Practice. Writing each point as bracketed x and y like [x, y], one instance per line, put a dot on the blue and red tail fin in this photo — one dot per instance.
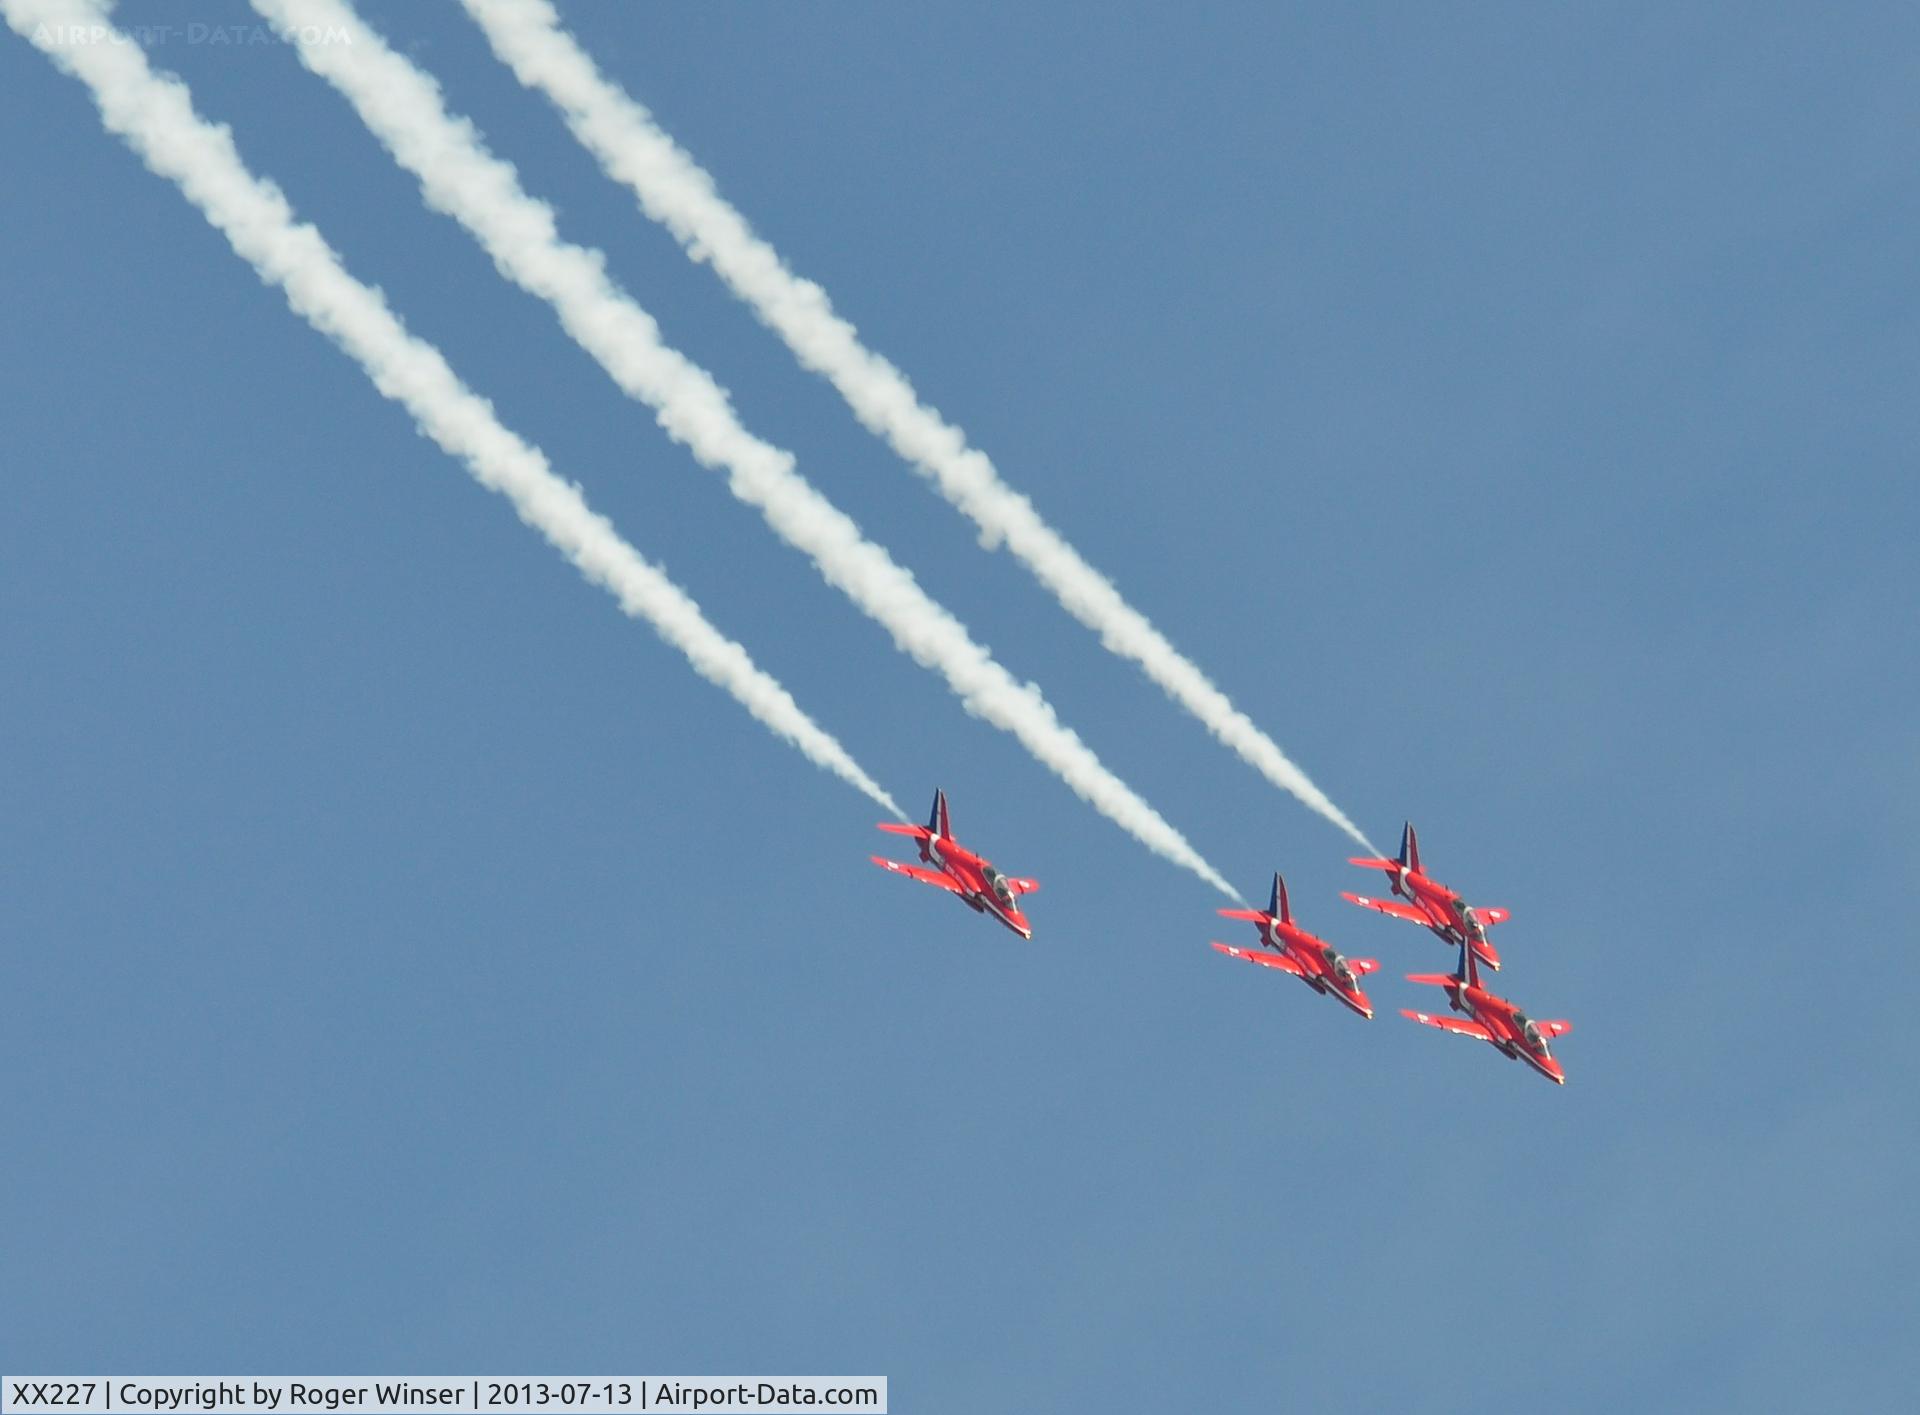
[1277, 905]
[937, 822]
[1409, 848]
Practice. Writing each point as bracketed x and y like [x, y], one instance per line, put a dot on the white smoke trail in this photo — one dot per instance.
[402, 107]
[154, 114]
[675, 191]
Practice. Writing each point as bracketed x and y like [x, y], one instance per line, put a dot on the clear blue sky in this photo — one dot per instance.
[410, 966]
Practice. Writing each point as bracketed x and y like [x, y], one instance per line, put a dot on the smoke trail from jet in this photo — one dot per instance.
[402, 107]
[154, 115]
[675, 191]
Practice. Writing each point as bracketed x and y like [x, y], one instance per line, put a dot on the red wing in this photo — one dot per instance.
[1450, 1024]
[1555, 1027]
[1023, 886]
[924, 876]
[1389, 906]
[1364, 966]
[1271, 960]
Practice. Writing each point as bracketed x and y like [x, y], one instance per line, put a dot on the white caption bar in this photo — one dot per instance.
[438, 1395]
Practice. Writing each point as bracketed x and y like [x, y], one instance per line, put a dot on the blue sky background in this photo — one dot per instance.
[410, 966]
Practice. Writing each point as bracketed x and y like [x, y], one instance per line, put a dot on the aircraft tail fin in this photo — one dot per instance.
[1410, 848]
[1277, 905]
[938, 822]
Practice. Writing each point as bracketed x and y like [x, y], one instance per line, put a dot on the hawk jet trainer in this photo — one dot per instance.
[1291, 949]
[1492, 1019]
[959, 871]
[1430, 903]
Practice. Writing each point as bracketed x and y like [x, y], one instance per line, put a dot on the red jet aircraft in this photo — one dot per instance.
[1429, 902]
[1316, 963]
[979, 884]
[1492, 1019]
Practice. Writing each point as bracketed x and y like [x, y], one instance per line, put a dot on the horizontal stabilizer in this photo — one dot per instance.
[918, 832]
[1372, 864]
[1252, 916]
[1438, 980]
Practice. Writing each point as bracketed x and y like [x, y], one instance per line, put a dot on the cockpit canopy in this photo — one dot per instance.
[997, 882]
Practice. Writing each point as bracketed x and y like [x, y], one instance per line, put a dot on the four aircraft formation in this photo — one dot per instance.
[1284, 945]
